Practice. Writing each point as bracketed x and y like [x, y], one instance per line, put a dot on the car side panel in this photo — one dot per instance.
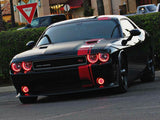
[138, 56]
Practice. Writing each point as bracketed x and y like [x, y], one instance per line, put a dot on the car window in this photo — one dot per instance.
[152, 8]
[142, 10]
[35, 23]
[43, 41]
[45, 21]
[58, 18]
[126, 27]
[84, 31]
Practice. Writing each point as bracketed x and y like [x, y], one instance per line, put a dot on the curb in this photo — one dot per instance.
[7, 89]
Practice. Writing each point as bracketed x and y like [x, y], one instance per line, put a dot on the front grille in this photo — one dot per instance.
[67, 62]
[55, 82]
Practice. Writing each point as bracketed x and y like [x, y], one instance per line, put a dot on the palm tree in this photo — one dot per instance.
[1, 20]
[100, 7]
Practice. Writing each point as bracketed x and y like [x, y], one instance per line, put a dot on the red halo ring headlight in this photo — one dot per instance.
[92, 58]
[27, 66]
[16, 67]
[103, 57]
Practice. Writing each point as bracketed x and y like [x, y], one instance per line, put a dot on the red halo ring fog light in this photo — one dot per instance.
[100, 81]
[25, 89]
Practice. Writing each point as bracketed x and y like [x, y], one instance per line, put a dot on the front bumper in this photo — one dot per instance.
[64, 81]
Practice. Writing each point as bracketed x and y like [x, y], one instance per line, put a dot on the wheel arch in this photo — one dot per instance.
[122, 54]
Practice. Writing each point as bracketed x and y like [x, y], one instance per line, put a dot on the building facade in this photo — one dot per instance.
[6, 11]
[41, 10]
[47, 7]
[121, 6]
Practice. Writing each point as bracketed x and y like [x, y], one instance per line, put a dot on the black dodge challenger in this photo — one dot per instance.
[83, 54]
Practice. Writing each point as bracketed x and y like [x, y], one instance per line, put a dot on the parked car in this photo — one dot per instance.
[144, 9]
[83, 54]
[158, 7]
[44, 21]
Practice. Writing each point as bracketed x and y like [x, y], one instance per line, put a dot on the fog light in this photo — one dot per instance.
[100, 81]
[25, 89]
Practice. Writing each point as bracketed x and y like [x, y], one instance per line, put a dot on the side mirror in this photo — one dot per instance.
[134, 32]
[30, 44]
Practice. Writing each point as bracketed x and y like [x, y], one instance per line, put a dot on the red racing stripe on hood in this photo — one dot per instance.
[85, 71]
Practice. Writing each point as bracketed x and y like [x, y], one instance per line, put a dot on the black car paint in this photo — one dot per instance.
[49, 81]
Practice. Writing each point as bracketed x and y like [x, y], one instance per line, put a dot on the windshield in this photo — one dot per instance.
[152, 8]
[83, 31]
[35, 23]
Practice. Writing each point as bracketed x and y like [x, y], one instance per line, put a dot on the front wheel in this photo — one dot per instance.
[28, 100]
[122, 70]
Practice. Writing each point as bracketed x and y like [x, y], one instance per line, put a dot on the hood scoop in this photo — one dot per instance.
[93, 41]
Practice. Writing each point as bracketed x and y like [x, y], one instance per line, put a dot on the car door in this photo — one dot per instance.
[134, 49]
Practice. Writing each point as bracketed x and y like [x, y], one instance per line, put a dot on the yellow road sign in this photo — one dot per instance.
[25, 1]
[2, 2]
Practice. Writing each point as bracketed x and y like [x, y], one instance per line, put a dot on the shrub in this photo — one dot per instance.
[8, 25]
[12, 43]
[151, 23]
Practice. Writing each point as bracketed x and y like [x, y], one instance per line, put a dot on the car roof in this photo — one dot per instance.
[50, 16]
[117, 17]
[114, 16]
[146, 5]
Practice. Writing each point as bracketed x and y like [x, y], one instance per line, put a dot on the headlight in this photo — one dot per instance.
[27, 66]
[92, 58]
[103, 57]
[16, 67]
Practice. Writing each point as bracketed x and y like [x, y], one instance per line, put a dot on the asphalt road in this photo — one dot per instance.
[141, 102]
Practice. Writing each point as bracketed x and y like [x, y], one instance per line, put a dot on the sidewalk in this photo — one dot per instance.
[7, 89]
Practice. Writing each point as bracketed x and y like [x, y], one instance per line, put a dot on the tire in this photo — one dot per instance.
[149, 73]
[28, 100]
[122, 72]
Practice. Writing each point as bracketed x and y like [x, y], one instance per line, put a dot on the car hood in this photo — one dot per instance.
[59, 50]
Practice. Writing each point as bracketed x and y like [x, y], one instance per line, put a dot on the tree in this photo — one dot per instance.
[1, 20]
[88, 11]
[12, 13]
[100, 7]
